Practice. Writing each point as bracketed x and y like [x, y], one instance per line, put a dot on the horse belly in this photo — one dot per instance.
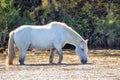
[42, 43]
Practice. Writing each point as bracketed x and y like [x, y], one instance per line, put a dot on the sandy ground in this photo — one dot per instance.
[102, 65]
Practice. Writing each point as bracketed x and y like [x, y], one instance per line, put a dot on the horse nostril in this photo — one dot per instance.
[83, 61]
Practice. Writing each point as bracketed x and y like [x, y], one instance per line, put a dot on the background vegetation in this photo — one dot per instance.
[97, 20]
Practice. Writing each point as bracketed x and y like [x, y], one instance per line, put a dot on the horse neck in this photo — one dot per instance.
[74, 38]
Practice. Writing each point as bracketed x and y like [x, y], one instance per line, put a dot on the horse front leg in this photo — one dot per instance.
[58, 47]
[60, 56]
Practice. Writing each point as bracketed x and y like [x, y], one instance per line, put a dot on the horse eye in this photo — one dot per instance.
[82, 49]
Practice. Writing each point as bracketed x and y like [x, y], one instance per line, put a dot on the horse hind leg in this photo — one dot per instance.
[22, 55]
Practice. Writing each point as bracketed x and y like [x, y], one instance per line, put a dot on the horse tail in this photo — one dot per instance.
[11, 53]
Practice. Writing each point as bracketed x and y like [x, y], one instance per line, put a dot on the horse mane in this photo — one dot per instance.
[59, 23]
[66, 27]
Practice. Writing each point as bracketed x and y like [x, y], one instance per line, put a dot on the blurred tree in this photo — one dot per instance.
[98, 20]
[10, 16]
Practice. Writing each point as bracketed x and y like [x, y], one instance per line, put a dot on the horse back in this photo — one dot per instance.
[40, 37]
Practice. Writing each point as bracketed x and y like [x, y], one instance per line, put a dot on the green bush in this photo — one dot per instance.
[10, 17]
[97, 20]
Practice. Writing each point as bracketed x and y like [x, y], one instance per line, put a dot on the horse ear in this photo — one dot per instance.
[86, 40]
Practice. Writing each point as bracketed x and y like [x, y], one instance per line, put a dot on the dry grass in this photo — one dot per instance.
[102, 65]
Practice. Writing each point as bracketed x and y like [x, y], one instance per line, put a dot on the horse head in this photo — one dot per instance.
[82, 51]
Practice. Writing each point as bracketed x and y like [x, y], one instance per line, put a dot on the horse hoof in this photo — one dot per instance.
[22, 64]
[83, 61]
[59, 63]
[50, 61]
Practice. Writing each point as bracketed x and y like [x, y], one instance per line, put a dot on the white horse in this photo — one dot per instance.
[52, 36]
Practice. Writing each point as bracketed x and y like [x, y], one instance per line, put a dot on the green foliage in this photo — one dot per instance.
[10, 17]
[97, 20]
[8, 13]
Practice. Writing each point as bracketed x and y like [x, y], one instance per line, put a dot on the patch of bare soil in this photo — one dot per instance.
[102, 65]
